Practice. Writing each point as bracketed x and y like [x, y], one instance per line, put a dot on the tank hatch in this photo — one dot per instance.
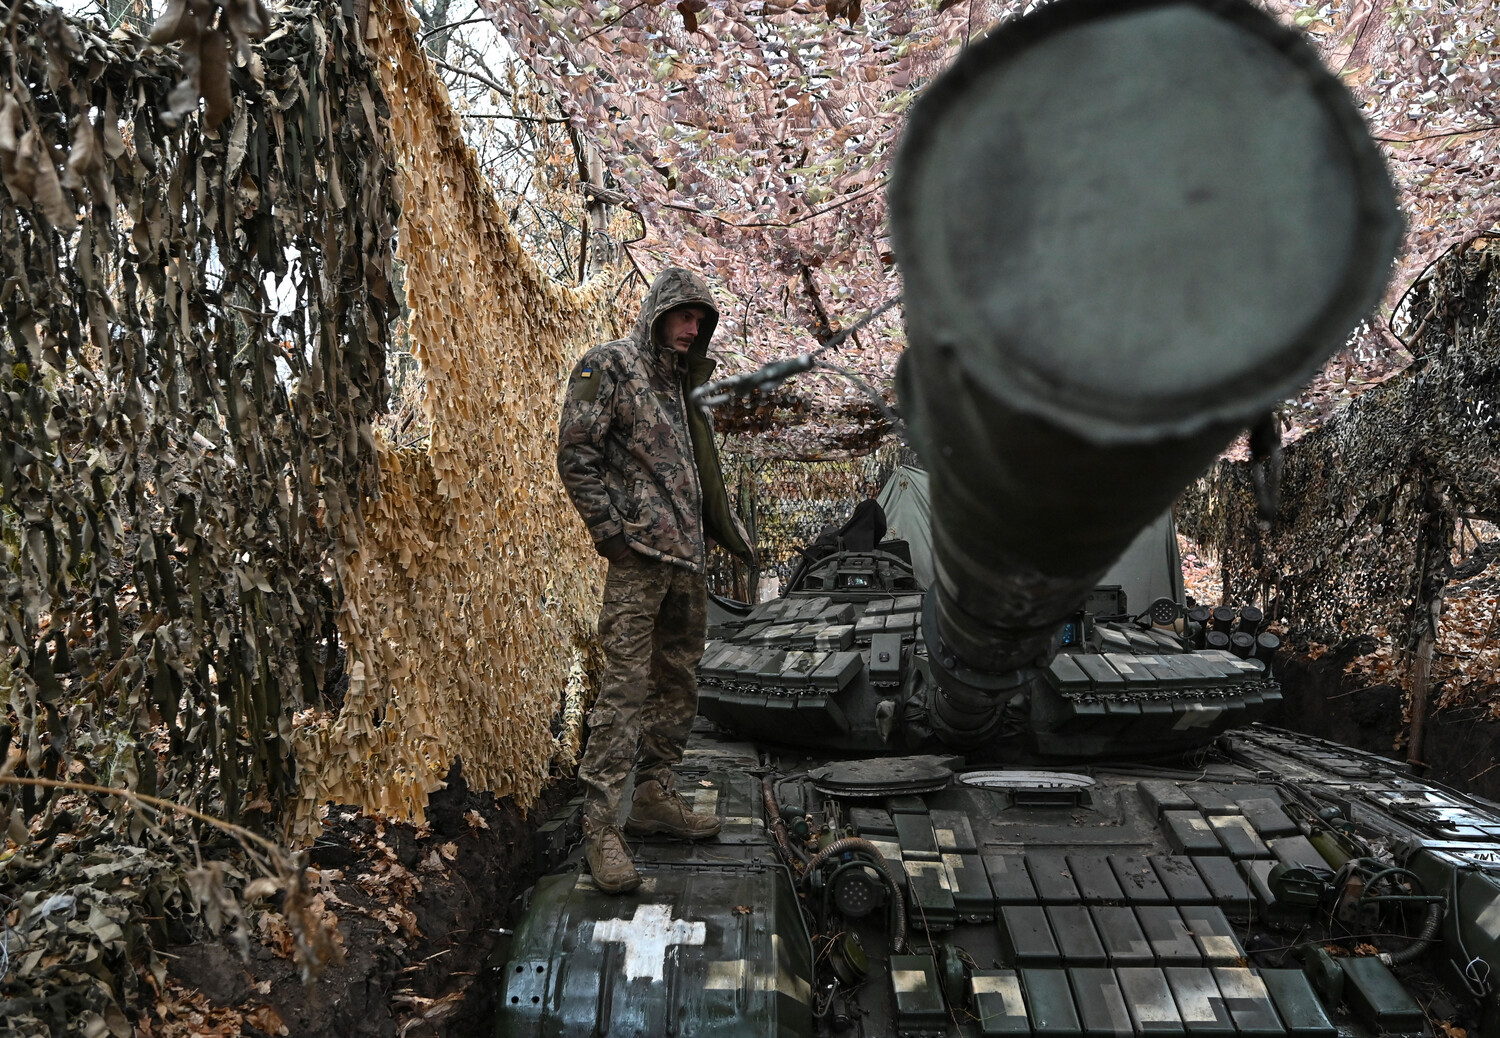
[884, 776]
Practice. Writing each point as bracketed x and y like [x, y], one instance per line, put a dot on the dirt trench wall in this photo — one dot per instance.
[1462, 747]
[419, 912]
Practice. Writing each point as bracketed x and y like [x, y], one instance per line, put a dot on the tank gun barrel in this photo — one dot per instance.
[1126, 231]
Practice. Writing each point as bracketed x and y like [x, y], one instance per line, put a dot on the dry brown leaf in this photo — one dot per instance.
[475, 820]
[266, 1019]
[261, 886]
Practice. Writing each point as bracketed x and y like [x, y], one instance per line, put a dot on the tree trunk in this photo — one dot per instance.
[1433, 559]
[594, 251]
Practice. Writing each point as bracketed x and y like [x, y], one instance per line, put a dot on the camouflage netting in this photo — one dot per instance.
[475, 587]
[1363, 535]
[195, 328]
[194, 314]
[786, 504]
[197, 304]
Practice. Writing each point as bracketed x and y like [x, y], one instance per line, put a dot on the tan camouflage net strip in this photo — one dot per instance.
[475, 588]
[1370, 501]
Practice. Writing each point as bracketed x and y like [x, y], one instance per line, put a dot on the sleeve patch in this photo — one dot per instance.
[585, 383]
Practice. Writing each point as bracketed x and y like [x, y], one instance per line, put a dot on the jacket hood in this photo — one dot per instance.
[675, 286]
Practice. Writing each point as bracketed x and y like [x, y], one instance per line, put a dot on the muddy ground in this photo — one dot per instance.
[419, 912]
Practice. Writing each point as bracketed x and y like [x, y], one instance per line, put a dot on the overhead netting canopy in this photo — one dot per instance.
[1364, 533]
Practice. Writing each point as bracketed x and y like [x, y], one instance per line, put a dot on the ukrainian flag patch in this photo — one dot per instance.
[585, 385]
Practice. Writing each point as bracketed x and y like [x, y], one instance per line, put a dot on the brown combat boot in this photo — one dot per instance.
[657, 807]
[609, 861]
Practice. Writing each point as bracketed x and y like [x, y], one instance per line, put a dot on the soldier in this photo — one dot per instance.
[866, 527]
[639, 462]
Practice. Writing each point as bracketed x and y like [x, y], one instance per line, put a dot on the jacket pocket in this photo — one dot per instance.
[641, 490]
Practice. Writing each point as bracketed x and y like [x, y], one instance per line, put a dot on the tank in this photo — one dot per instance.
[1020, 797]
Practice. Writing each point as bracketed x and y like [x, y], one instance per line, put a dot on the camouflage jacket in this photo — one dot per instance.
[635, 456]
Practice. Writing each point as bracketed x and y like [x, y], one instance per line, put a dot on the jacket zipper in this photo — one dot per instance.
[700, 560]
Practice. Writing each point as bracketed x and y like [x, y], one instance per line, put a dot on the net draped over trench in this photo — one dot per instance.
[198, 304]
[1364, 531]
[475, 587]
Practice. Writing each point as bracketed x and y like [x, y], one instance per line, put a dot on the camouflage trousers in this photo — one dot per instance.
[652, 629]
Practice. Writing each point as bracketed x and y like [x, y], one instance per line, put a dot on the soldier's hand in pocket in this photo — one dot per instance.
[614, 548]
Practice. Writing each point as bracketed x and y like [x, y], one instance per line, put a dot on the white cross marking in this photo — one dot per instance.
[646, 938]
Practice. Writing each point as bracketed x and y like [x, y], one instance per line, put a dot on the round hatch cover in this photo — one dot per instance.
[884, 776]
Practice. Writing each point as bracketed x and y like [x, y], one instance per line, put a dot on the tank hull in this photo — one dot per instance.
[1118, 899]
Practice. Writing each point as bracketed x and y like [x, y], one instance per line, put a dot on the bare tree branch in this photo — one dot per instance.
[1439, 136]
[450, 26]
